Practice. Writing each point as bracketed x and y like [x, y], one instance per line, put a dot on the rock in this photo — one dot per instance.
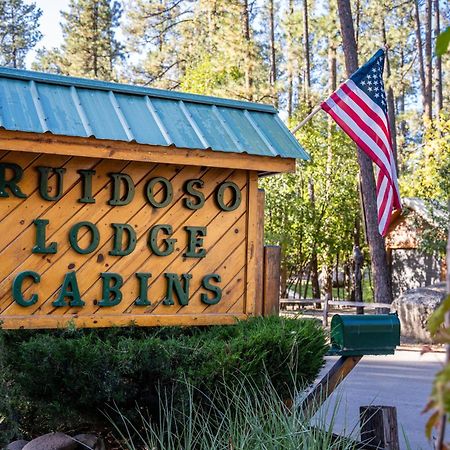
[16, 445]
[89, 441]
[52, 441]
[414, 307]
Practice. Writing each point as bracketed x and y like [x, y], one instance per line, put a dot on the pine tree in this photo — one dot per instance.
[90, 48]
[154, 33]
[19, 31]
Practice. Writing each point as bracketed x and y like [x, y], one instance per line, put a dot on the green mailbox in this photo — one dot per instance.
[364, 334]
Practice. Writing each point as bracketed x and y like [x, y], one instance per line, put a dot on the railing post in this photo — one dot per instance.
[379, 427]
[272, 263]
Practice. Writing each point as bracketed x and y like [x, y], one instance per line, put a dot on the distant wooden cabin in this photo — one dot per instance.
[411, 267]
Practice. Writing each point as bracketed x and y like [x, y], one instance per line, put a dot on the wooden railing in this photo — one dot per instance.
[360, 306]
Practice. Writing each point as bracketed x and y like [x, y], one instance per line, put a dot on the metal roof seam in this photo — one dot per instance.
[260, 133]
[38, 106]
[158, 121]
[123, 121]
[227, 129]
[193, 124]
[82, 115]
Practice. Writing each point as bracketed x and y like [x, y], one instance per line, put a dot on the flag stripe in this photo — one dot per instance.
[386, 208]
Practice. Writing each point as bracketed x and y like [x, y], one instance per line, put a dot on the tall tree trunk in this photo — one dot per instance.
[390, 100]
[358, 15]
[380, 270]
[248, 43]
[401, 99]
[428, 63]
[420, 53]
[438, 66]
[315, 286]
[307, 55]
[290, 62]
[314, 262]
[273, 61]
[332, 70]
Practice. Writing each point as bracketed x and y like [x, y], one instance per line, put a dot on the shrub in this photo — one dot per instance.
[62, 379]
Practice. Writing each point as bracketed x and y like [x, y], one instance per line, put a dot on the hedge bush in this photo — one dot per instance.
[63, 379]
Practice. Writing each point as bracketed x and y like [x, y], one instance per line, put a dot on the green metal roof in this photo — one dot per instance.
[46, 103]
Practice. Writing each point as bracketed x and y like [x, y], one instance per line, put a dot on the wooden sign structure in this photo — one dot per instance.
[105, 231]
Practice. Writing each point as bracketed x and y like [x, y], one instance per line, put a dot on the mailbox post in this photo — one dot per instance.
[353, 337]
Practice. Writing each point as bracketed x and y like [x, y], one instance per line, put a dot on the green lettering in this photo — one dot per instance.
[195, 242]
[118, 246]
[210, 287]
[41, 247]
[69, 289]
[143, 278]
[44, 190]
[168, 192]
[17, 288]
[111, 294]
[174, 286]
[189, 187]
[73, 237]
[118, 180]
[153, 240]
[86, 186]
[11, 184]
[236, 196]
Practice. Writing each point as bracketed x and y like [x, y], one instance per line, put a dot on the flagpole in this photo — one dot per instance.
[315, 110]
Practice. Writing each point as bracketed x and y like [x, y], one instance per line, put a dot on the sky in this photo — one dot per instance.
[50, 28]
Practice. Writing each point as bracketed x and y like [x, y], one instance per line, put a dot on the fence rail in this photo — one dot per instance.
[360, 306]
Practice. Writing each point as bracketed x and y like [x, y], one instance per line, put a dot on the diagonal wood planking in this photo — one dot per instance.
[229, 244]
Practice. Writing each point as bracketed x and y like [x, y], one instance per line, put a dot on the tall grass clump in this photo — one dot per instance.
[237, 416]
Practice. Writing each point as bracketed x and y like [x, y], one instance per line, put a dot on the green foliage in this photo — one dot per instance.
[19, 31]
[427, 176]
[61, 379]
[90, 48]
[442, 42]
[439, 402]
[428, 170]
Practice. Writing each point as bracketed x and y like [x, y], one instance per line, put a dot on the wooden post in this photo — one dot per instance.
[379, 427]
[260, 253]
[325, 311]
[272, 262]
[326, 386]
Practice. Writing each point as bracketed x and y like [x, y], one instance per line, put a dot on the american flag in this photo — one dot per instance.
[359, 107]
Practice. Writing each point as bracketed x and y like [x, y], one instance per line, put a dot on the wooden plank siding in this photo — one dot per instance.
[231, 243]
